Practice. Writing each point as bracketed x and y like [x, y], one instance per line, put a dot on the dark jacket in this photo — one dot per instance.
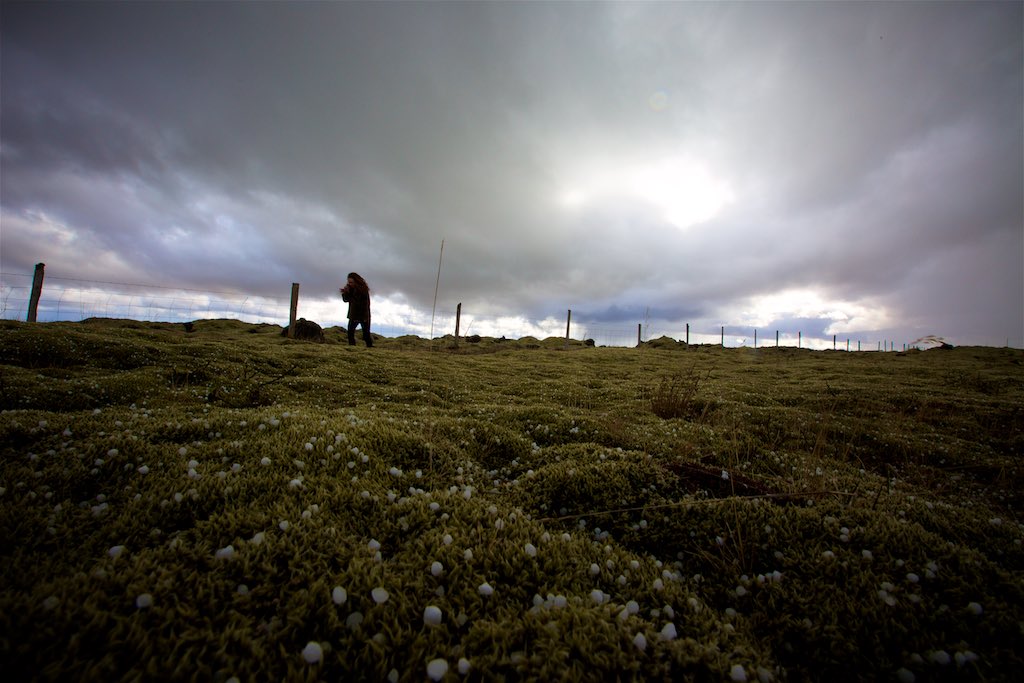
[358, 305]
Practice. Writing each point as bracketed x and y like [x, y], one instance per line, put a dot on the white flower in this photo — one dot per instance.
[904, 675]
[485, 589]
[436, 568]
[738, 673]
[115, 552]
[640, 642]
[339, 595]
[964, 657]
[530, 550]
[265, 461]
[939, 657]
[354, 619]
[51, 602]
[974, 608]
[312, 653]
[144, 600]
[597, 595]
[668, 631]
[437, 668]
[374, 544]
[225, 553]
[432, 615]
[380, 596]
[464, 666]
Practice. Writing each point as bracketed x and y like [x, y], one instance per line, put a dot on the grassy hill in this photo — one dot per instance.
[228, 504]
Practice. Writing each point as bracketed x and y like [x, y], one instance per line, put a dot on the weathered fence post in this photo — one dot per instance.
[568, 322]
[458, 319]
[723, 336]
[638, 328]
[37, 290]
[294, 310]
[833, 342]
[776, 339]
[799, 340]
[755, 337]
[687, 334]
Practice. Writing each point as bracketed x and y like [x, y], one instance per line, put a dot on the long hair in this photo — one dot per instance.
[360, 285]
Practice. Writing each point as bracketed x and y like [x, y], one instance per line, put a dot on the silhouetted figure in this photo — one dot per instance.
[357, 293]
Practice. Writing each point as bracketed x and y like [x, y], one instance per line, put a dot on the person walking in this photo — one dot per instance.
[357, 293]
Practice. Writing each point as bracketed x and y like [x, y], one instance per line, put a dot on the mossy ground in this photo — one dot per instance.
[807, 516]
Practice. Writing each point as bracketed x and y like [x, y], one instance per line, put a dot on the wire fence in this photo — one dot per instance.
[74, 300]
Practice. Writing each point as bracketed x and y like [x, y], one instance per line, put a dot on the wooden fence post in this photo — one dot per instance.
[37, 290]
[833, 342]
[723, 336]
[776, 339]
[458, 319]
[755, 337]
[294, 310]
[687, 334]
[799, 340]
[638, 327]
[568, 322]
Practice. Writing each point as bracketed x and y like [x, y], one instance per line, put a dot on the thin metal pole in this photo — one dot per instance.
[437, 284]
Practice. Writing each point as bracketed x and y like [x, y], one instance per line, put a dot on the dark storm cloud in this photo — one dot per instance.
[872, 151]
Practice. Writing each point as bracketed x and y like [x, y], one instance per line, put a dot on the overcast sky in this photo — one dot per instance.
[834, 168]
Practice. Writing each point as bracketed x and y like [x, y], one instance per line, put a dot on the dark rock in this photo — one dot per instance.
[306, 330]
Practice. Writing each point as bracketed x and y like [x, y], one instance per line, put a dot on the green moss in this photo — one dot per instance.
[870, 517]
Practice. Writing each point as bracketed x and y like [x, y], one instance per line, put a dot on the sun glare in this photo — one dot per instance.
[683, 191]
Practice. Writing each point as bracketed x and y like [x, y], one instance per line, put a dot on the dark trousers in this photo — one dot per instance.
[366, 332]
